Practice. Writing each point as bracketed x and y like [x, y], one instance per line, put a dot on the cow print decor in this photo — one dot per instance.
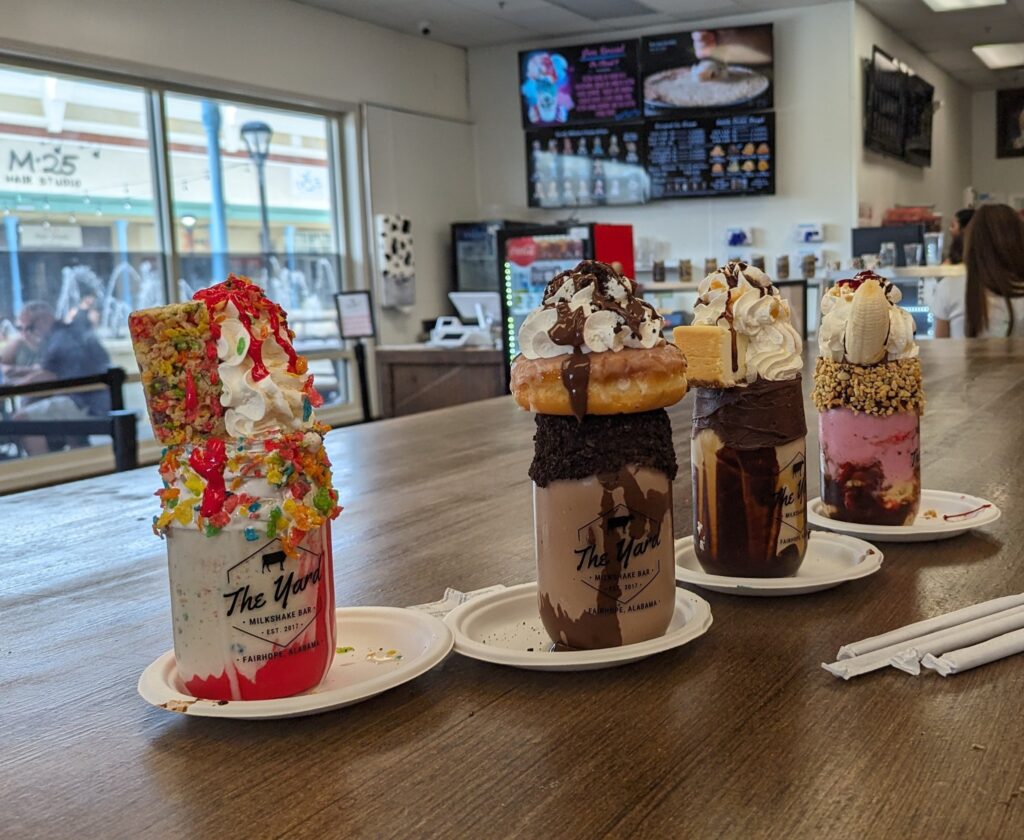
[395, 258]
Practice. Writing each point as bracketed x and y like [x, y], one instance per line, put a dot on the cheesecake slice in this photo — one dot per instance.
[713, 359]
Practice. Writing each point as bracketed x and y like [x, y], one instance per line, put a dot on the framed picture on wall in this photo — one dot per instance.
[1010, 123]
[355, 315]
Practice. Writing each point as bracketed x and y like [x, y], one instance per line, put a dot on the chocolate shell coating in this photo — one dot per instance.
[761, 415]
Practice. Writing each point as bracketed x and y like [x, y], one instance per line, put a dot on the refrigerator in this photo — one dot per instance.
[475, 254]
[531, 257]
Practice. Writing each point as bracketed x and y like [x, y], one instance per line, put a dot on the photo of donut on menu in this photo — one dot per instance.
[707, 70]
[586, 167]
[722, 155]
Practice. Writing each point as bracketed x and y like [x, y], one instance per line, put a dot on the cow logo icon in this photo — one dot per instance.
[617, 553]
[273, 597]
[274, 558]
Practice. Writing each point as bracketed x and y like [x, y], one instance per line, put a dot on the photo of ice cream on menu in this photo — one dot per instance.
[247, 497]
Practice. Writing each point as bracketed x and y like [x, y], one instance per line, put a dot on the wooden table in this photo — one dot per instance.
[739, 734]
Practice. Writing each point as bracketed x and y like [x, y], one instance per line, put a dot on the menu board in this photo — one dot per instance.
[883, 117]
[711, 156]
[581, 84]
[708, 70]
[586, 167]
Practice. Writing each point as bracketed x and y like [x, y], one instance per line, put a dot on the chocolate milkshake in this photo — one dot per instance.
[598, 373]
[867, 388]
[749, 480]
[748, 443]
[602, 505]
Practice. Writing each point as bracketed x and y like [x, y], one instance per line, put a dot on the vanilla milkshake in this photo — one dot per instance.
[251, 622]
[247, 496]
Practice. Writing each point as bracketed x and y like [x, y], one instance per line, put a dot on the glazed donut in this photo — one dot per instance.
[627, 381]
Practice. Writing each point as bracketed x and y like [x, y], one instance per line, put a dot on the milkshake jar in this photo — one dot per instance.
[251, 622]
[748, 455]
[870, 466]
[605, 557]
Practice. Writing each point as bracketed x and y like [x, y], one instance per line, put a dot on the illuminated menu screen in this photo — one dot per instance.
[586, 167]
[581, 84]
[711, 156]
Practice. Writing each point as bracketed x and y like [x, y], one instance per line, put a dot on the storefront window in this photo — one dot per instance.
[79, 243]
[252, 195]
[251, 192]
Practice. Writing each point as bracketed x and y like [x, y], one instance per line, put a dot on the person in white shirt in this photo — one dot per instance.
[989, 301]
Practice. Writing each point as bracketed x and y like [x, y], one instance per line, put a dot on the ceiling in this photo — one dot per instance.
[945, 38]
[481, 23]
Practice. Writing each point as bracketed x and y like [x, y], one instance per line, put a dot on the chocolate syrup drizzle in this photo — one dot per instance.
[602, 626]
[568, 329]
[733, 271]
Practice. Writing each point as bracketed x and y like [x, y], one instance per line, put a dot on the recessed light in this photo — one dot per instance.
[960, 5]
[999, 56]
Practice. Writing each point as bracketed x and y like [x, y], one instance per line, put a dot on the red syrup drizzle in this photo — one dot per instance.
[250, 302]
[191, 400]
[860, 278]
[949, 517]
[209, 464]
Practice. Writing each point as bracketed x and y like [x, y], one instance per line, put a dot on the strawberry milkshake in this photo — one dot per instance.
[867, 388]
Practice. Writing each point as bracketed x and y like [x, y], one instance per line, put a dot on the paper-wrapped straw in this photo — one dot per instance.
[981, 654]
[929, 625]
[907, 654]
[909, 659]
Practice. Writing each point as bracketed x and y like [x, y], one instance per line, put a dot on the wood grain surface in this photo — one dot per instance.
[739, 734]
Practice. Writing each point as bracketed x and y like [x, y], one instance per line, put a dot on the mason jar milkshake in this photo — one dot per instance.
[596, 370]
[748, 441]
[868, 391]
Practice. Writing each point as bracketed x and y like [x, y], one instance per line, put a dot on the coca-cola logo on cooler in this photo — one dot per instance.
[522, 251]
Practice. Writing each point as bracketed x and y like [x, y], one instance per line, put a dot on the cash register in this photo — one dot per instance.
[479, 312]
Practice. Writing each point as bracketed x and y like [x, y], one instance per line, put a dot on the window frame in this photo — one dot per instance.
[345, 159]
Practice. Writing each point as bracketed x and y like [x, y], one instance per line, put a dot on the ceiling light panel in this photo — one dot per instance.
[1000, 56]
[961, 5]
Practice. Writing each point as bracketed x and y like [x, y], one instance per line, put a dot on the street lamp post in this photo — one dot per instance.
[256, 136]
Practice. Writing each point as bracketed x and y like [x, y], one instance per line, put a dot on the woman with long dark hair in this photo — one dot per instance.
[989, 302]
[957, 227]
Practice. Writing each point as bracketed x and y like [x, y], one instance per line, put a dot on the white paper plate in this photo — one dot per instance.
[422, 641]
[831, 559]
[929, 524]
[505, 628]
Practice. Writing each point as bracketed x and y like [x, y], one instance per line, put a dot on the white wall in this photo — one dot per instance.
[1003, 178]
[814, 113]
[271, 46]
[418, 168]
[882, 181]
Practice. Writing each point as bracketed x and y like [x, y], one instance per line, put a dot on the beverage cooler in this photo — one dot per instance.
[475, 254]
[531, 257]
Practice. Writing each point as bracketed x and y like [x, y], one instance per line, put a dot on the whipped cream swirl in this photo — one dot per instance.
[742, 298]
[591, 309]
[836, 309]
[256, 406]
